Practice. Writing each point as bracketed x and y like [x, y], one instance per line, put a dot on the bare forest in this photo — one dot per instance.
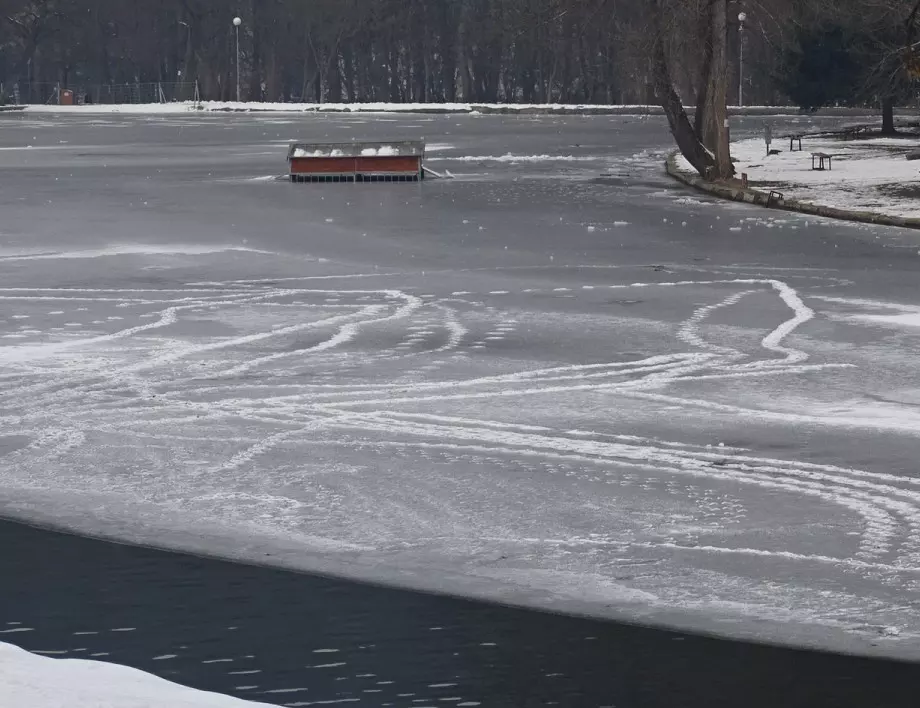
[534, 51]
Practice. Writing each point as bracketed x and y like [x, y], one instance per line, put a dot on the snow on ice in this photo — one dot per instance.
[244, 400]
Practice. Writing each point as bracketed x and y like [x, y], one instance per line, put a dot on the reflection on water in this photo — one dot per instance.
[298, 640]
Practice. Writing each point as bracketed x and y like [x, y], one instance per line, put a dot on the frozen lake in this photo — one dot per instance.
[285, 638]
[533, 383]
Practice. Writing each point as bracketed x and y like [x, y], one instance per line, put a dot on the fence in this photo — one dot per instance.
[44, 93]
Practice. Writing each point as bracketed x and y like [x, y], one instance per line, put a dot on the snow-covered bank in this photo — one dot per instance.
[867, 175]
[32, 681]
[485, 108]
[252, 107]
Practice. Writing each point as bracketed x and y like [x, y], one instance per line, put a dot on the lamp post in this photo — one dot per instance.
[236, 23]
[742, 17]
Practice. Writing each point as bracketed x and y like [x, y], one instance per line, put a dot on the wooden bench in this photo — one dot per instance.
[852, 132]
[819, 159]
[794, 138]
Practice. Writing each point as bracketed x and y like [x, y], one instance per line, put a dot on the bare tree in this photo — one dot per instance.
[704, 142]
[586, 51]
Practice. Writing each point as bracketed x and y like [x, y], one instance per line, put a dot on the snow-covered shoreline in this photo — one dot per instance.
[409, 108]
[870, 175]
[867, 176]
[32, 681]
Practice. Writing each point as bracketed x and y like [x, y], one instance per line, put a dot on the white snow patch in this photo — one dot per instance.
[187, 107]
[904, 320]
[32, 681]
[123, 250]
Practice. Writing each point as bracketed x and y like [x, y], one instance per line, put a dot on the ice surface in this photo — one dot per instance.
[31, 681]
[459, 386]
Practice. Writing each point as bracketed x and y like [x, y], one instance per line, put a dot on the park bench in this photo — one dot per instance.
[853, 132]
[794, 138]
[820, 159]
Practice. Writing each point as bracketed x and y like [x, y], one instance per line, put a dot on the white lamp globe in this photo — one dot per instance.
[742, 16]
[237, 21]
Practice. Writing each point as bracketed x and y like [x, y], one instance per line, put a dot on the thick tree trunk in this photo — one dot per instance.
[681, 128]
[888, 116]
[715, 114]
[705, 68]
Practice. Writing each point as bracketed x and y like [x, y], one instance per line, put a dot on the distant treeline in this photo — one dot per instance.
[534, 51]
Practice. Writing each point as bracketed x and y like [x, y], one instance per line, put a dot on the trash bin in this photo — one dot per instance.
[66, 97]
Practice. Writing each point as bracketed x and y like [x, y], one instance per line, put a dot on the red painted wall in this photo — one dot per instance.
[353, 165]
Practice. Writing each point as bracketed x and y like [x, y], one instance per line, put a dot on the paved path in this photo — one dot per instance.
[599, 395]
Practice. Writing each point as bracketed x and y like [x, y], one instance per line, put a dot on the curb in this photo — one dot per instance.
[763, 199]
[10, 109]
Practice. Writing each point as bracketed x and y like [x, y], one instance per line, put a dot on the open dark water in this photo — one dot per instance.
[299, 640]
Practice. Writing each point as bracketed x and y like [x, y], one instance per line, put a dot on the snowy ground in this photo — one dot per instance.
[599, 395]
[395, 108]
[401, 108]
[31, 681]
[868, 175]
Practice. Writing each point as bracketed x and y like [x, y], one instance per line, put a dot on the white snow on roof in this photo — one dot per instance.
[31, 681]
[300, 152]
[358, 149]
[382, 151]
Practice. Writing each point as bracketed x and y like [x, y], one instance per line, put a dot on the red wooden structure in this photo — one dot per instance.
[357, 162]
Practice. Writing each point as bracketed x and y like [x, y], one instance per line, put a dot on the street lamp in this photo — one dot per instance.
[742, 17]
[236, 23]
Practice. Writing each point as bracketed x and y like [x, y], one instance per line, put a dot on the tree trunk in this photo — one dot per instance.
[393, 56]
[257, 73]
[466, 80]
[715, 112]
[705, 69]
[683, 132]
[888, 116]
[334, 80]
[448, 46]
